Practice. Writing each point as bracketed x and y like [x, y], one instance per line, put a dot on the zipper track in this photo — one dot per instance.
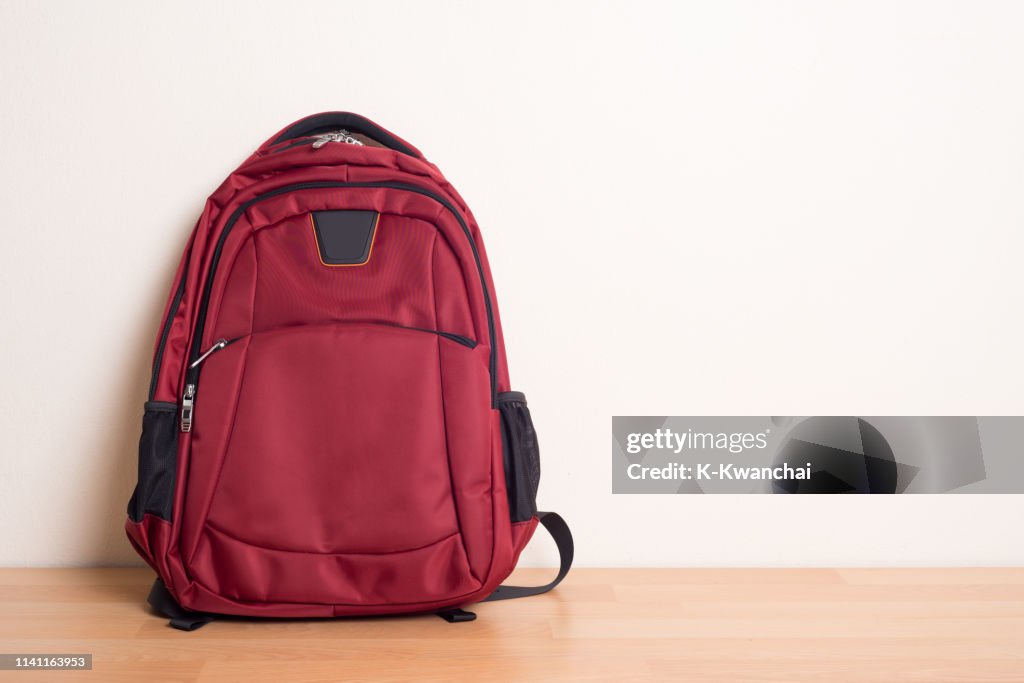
[158, 359]
[222, 344]
[192, 375]
[306, 140]
[295, 143]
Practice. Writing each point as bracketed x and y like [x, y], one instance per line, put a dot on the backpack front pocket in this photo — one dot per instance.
[332, 453]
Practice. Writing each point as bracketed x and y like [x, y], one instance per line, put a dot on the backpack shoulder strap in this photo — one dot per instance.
[559, 531]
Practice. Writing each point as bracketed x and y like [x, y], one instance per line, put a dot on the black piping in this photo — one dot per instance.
[290, 145]
[457, 338]
[171, 313]
[197, 340]
[323, 123]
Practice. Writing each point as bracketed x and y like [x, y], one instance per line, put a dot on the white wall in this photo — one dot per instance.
[710, 208]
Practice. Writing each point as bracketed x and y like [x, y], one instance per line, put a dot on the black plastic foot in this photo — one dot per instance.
[191, 623]
[453, 616]
[182, 619]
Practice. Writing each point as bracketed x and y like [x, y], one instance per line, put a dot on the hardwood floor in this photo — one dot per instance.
[928, 625]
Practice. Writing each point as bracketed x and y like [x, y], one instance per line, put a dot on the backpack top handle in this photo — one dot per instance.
[330, 121]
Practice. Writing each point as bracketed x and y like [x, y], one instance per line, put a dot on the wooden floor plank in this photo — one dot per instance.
[927, 625]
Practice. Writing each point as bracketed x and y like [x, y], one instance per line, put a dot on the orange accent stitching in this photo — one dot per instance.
[316, 240]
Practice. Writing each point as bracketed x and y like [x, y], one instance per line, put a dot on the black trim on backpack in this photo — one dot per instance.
[158, 359]
[158, 462]
[353, 123]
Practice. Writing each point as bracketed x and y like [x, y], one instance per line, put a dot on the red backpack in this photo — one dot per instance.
[330, 429]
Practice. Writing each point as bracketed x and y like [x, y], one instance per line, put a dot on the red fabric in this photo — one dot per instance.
[340, 462]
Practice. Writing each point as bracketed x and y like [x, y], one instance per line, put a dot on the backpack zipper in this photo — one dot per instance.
[457, 338]
[188, 398]
[158, 358]
[335, 136]
[220, 344]
[318, 141]
[187, 404]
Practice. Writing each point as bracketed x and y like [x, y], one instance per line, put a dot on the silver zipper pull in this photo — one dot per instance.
[217, 346]
[187, 401]
[335, 136]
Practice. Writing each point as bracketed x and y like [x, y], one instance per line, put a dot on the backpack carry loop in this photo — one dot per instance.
[354, 123]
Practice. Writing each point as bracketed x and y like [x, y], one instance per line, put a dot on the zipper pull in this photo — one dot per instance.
[187, 401]
[217, 346]
[335, 136]
[321, 140]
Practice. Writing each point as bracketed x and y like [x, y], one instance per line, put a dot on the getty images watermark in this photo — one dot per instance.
[820, 455]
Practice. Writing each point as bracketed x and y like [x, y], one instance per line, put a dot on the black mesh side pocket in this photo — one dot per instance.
[522, 455]
[158, 462]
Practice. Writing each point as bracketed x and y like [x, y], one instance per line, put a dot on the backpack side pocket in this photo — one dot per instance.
[521, 455]
[158, 462]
